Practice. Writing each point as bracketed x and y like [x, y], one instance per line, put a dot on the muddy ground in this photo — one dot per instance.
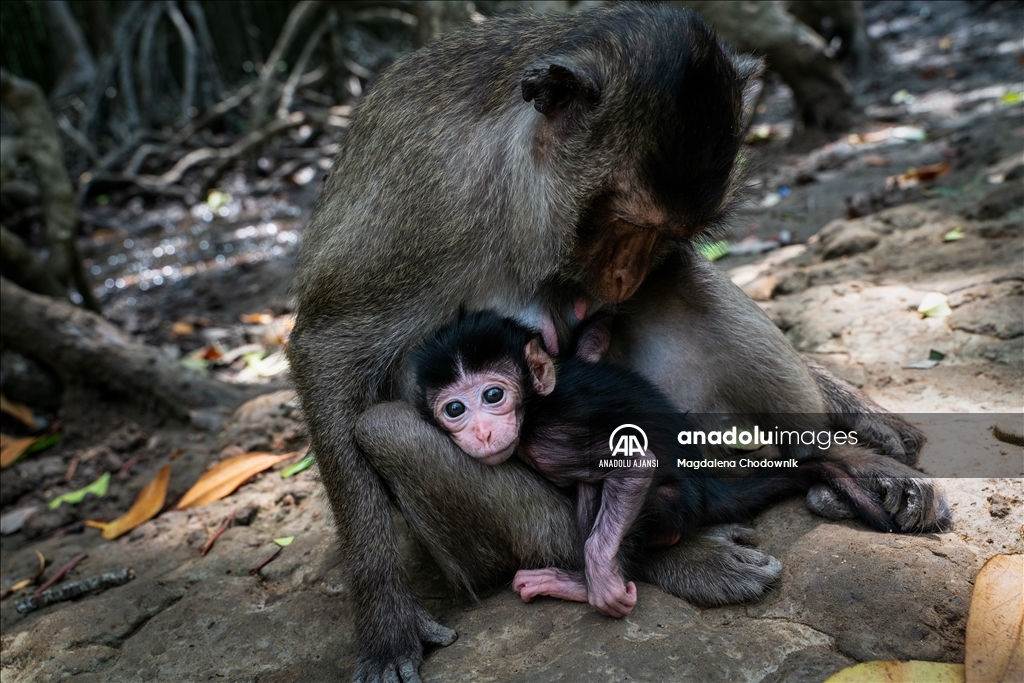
[862, 253]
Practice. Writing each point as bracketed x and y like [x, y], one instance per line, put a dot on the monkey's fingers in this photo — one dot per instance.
[432, 631]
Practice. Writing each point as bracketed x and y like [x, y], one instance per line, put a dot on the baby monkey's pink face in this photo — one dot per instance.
[481, 412]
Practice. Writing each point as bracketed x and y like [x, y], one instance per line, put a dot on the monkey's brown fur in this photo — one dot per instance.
[452, 189]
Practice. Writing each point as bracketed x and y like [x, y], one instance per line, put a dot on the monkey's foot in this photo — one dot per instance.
[402, 666]
[715, 568]
[555, 583]
[887, 494]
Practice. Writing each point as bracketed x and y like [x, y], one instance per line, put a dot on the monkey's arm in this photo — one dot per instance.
[622, 496]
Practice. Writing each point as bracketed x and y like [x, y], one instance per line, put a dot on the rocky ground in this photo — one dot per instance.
[864, 254]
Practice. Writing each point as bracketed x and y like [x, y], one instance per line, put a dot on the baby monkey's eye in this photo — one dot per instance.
[454, 409]
[493, 395]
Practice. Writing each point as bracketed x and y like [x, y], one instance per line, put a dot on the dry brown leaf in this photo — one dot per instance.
[210, 352]
[19, 411]
[146, 506]
[895, 671]
[14, 448]
[995, 622]
[257, 318]
[222, 480]
[182, 328]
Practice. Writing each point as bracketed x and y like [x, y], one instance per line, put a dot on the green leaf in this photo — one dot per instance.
[713, 251]
[1012, 98]
[953, 235]
[936, 355]
[284, 542]
[98, 488]
[300, 466]
[43, 443]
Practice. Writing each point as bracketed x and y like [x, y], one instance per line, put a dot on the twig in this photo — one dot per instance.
[225, 155]
[210, 61]
[61, 573]
[145, 57]
[189, 43]
[132, 169]
[217, 110]
[288, 92]
[217, 534]
[256, 570]
[302, 13]
[76, 137]
[73, 589]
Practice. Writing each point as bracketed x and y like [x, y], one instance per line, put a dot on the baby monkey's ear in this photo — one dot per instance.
[541, 367]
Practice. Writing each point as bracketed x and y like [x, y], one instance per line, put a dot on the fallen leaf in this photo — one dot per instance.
[935, 355]
[182, 328]
[895, 671]
[257, 318]
[934, 305]
[98, 488]
[222, 480]
[875, 160]
[25, 583]
[285, 541]
[146, 506]
[915, 176]
[14, 521]
[19, 411]
[995, 622]
[13, 449]
[300, 466]
[44, 442]
[953, 235]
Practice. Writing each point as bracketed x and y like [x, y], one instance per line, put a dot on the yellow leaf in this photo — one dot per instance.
[25, 583]
[182, 328]
[149, 502]
[895, 671]
[995, 622]
[14, 449]
[20, 412]
[223, 479]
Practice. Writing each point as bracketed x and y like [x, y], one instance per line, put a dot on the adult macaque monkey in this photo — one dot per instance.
[515, 164]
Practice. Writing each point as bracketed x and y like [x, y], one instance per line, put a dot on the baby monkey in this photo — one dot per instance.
[489, 382]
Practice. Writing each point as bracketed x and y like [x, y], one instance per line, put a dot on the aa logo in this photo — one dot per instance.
[629, 441]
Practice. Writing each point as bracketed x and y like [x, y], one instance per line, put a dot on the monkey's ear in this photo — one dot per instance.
[553, 88]
[749, 70]
[595, 339]
[542, 368]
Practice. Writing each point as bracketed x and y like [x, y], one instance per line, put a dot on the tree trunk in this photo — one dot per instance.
[40, 143]
[83, 347]
[798, 54]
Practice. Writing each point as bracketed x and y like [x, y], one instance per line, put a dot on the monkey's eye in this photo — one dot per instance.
[493, 395]
[454, 409]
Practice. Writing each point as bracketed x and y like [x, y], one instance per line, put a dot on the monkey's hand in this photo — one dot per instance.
[555, 583]
[375, 666]
[608, 593]
[611, 596]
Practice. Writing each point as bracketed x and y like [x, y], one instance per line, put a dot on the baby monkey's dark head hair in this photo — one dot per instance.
[474, 342]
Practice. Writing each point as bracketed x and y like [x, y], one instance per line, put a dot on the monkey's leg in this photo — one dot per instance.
[480, 523]
[714, 568]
